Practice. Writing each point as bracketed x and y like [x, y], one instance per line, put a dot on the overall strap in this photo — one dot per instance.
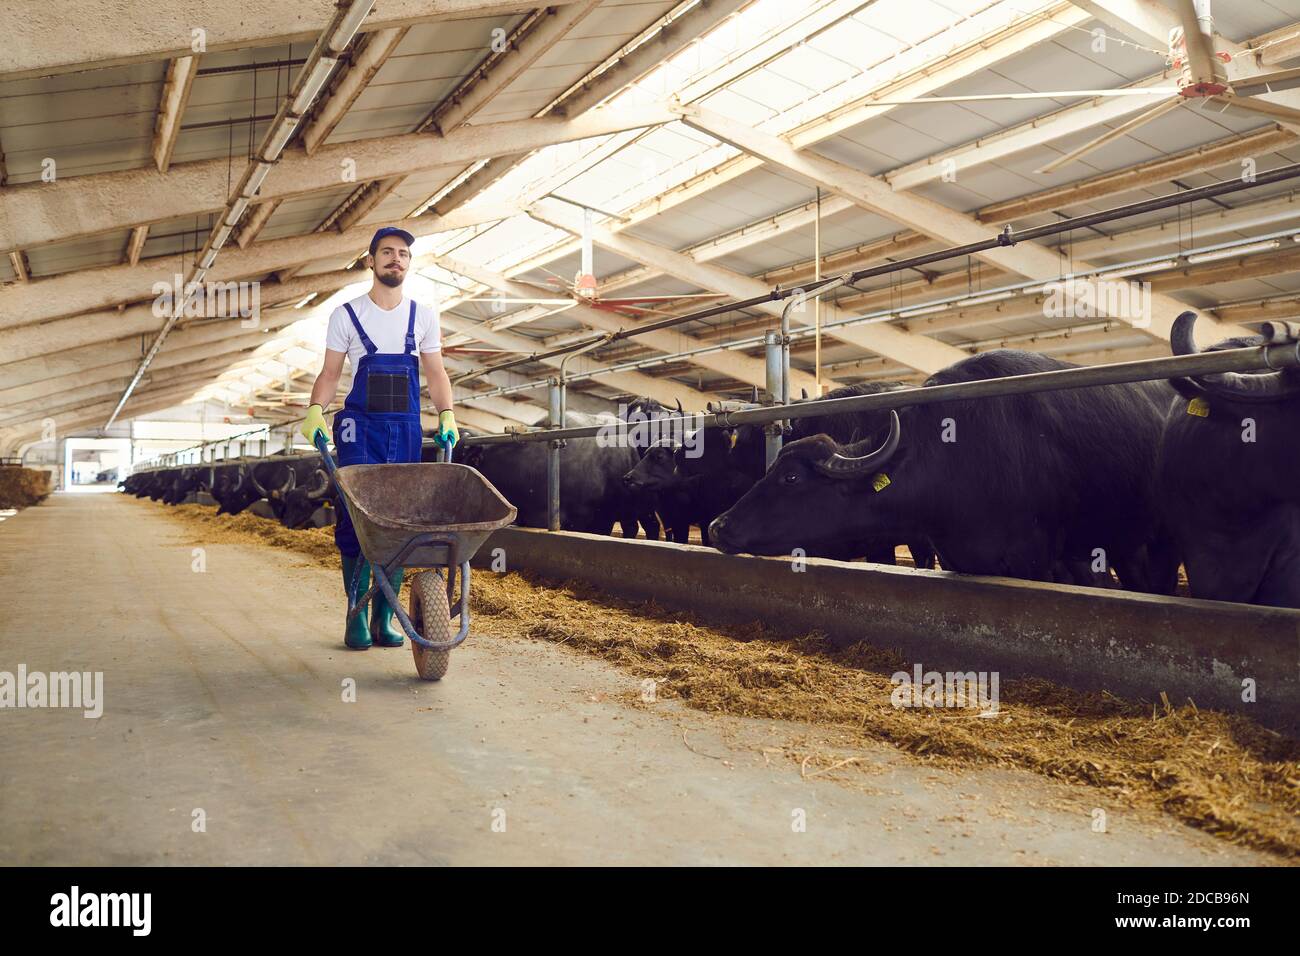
[410, 331]
[365, 339]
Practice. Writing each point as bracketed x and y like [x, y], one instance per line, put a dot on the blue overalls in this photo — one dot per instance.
[380, 420]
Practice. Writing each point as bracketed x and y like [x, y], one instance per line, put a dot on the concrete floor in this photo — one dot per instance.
[223, 692]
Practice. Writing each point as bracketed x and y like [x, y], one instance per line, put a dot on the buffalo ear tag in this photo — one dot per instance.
[1198, 407]
[880, 482]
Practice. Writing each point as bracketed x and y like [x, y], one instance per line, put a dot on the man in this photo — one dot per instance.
[380, 333]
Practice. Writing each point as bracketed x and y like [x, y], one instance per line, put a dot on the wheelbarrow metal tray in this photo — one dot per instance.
[394, 503]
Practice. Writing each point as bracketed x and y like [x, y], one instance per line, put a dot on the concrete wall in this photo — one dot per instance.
[1133, 645]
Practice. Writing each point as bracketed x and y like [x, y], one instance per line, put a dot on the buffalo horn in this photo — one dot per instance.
[1264, 387]
[321, 487]
[842, 466]
[252, 476]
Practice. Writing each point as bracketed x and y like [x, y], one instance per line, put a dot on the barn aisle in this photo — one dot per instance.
[223, 678]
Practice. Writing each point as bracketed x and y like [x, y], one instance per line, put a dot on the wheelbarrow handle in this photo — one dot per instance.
[323, 446]
[333, 469]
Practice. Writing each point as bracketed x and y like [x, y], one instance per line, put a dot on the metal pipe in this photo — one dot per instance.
[1255, 358]
[817, 305]
[772, 432]
[1158, 263]
[556, 396]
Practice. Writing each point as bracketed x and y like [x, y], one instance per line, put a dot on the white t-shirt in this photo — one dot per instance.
[386, 329]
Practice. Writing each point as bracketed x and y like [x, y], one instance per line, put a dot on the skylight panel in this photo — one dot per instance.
[810, 69]
[853, 41]
[771, 91]
[909, 20]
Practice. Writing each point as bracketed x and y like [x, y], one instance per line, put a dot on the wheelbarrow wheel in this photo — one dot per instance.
[431, 616]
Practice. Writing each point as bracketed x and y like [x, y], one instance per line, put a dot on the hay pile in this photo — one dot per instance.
[23, 487]
[1221, 773]
[316, 543]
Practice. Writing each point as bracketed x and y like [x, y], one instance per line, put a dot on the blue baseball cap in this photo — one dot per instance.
[387, 231]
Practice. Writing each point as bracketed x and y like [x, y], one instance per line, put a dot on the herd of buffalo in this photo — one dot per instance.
[1113, 485]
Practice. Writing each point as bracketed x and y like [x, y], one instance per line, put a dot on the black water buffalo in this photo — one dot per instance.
[655, 484]
[592, 494]
[184, 482]
[1229, 475]
[232, 488]
[162, 481]
[139, 484]
[1015, 485]
[847, 428]
[654, 511]
[294, 487]
[694, 481]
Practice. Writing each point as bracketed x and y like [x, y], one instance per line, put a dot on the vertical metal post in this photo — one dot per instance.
[817, 303]
[772, 352]
[556, 395]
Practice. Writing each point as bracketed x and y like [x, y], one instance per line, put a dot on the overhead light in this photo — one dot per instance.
[929, 309]
[349, 25]
[208, 258]
[311, 86]
[1138, 270]
[279, 137]
[982, 299]
[1218, 254]
[305, 300]
[236, 210]
[222, 234]
[255, 179]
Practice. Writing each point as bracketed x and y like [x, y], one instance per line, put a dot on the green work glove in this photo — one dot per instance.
[315, 422]
[448, 434]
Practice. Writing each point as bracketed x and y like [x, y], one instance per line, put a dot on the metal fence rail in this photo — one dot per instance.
[1251, 359]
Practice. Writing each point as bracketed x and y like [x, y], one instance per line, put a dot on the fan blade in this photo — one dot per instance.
[1129, 125]
[1200, 48]
[1274, 82]
[1259, 107]
[1058, 94]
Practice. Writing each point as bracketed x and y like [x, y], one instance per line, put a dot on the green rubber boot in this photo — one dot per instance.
[357, 635]
[382, 628]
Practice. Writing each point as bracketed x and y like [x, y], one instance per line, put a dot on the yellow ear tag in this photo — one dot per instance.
[880, 482]
[733, 439]
[1198, 407]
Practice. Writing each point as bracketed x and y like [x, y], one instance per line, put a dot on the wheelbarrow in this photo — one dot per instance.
[432, 515]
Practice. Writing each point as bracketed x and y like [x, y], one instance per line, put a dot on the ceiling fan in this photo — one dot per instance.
[1192, 50]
